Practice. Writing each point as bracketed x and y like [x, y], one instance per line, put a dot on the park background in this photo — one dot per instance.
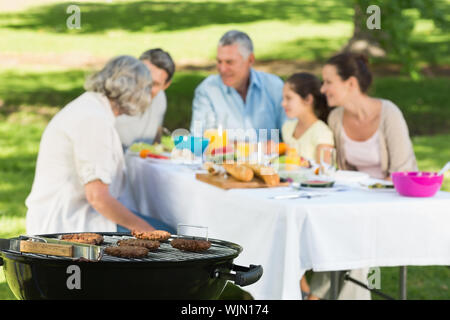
[43, 65]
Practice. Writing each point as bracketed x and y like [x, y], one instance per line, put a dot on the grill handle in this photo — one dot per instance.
[244, 276]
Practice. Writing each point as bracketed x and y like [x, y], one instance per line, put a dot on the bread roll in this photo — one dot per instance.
[267, 174]
[239, 172]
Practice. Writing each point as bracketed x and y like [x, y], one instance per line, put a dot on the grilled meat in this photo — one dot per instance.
[191, 245]
[157, 235]
[88, 238]
[127, 251]
[149, 244]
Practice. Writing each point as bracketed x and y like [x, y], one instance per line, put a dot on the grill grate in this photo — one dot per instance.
[165, 253]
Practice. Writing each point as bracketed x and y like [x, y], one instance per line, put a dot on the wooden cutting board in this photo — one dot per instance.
[231, 183]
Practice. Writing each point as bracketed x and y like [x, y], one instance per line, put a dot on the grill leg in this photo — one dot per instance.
[402, 284]
[334, 284]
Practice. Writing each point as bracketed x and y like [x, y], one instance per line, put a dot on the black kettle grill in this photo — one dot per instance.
[167, 273]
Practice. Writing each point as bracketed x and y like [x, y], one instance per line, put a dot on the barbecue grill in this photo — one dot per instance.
[167, 273]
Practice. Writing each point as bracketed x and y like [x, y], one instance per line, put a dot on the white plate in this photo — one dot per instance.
[334, 188]
[368, 182]
[350, 176]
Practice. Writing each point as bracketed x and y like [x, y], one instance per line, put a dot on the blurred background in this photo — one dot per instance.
[43, 65]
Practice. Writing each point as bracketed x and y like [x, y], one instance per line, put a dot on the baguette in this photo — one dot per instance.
[239, 172]
[267, 174]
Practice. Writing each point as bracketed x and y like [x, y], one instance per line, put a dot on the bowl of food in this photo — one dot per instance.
[417, 183]
[197, 145]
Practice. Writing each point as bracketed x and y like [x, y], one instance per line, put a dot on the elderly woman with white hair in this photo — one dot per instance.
[80, 170]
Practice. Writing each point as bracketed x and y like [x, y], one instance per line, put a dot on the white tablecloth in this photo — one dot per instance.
[340, 231]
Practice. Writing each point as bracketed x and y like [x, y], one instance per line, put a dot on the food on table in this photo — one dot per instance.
[239, 171]
[147, 154]
[220, 154]
[213, 168]
[267, 174]
[140, 146]
[127, 251]
[317, 184]
[381, 186]
[149, 244]
[87, 238]
[167, 143]
[143, 153]
[282, 148]
[292, 157]
[292, 161]
[191, 245]
[157, 235]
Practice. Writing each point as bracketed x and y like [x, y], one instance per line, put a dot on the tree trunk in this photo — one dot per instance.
[363, 39]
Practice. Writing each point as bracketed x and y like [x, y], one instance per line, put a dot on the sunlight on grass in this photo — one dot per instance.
[189, 29]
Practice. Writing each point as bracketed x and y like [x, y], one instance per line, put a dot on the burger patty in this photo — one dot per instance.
[191, 245]
[157, 235]
[149, 244]
[127, 251]
[88, 238]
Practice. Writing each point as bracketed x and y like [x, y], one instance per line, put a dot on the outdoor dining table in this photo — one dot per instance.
[337, 231]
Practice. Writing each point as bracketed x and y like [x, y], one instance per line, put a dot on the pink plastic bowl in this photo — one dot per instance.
[417, 184]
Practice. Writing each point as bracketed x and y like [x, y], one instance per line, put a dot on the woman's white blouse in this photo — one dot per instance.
[79, 145]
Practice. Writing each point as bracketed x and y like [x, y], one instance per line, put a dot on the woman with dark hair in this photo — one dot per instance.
[308, 131]
[370, 133]
[371, 136]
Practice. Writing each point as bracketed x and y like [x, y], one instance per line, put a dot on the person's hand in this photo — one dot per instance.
[145, 227]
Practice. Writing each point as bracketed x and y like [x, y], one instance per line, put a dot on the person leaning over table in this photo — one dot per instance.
[371, 136]
[147, 127]
[239, 97]
[80, 169]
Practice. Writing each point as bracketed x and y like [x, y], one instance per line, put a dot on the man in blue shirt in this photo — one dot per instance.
[239, 97]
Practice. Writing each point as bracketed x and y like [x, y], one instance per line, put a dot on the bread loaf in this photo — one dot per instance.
[267, 174]
[239, 172]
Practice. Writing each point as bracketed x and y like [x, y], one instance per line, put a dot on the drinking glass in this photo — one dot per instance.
[327, 159]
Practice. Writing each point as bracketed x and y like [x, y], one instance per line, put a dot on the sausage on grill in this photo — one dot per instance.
[88, 238]
[149, 244]
[157, 235]
[191, 245]
[127, 252]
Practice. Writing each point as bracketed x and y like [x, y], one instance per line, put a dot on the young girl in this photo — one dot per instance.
[302, 101]
[307, 132]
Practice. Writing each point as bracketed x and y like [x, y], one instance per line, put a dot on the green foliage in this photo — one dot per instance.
[398, 19]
